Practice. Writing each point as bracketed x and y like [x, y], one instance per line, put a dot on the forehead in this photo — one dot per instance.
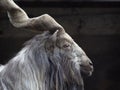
[66, 37]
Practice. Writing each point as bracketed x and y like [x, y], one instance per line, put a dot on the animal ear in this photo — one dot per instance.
[60, 32]
[54, 35]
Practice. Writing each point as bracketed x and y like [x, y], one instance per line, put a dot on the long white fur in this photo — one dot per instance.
[43, 64]
[36, 67]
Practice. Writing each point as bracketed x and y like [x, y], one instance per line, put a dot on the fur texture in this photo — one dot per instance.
[47, 62]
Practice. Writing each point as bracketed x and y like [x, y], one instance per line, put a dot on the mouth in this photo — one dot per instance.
[88, 70]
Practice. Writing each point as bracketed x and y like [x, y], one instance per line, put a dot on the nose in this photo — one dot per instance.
[91, 63]
[86, 61]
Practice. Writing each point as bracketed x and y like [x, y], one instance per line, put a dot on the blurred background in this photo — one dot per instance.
[93, 24]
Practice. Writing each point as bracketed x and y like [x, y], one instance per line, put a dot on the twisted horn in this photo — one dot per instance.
[20, 19]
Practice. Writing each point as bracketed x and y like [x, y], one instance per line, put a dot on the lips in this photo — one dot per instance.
[88, 70]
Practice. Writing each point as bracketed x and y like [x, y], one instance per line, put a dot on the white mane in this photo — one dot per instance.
[36, 67]
[50, 61]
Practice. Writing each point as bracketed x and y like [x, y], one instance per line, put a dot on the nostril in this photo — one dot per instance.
[91, 63]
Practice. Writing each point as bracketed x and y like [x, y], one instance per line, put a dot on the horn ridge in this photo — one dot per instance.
[19, 18]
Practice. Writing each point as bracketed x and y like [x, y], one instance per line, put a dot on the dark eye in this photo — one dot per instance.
[66, 45]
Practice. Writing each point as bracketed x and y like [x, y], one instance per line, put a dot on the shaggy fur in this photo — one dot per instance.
[50, 61]
[47, 62]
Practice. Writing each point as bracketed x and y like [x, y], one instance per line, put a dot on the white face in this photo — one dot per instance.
[69, 50]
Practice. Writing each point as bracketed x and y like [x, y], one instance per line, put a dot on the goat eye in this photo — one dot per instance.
[66, 45]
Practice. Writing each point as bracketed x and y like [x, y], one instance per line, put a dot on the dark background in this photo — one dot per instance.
[93, 24]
